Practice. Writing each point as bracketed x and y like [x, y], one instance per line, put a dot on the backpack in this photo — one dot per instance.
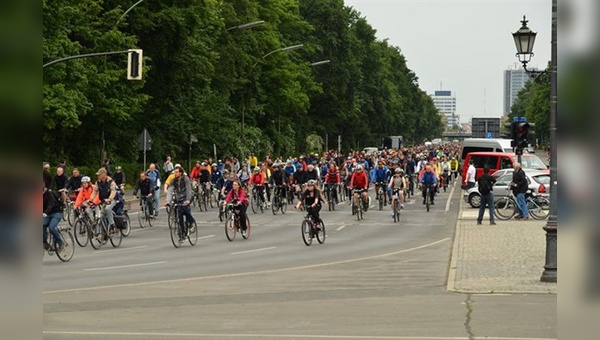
[485, 186]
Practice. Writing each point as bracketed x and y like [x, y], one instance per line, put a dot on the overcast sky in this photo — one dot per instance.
[462, 46]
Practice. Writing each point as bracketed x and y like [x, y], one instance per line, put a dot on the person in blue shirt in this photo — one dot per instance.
[215, 175]
[428, 181]
[379, 176]
[289, 169]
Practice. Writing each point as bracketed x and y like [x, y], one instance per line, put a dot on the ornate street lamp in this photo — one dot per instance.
[524, 41]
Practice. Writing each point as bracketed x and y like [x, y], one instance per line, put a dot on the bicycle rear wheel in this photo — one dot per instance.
[80, 229]
[539, 208]
[116, 238]
[127, 230]
[505, 208]
[193, 234]
[396, 211]
[69, 245]
[307, 232]
[321, 234]
[275, 204]
[230, 229]
[254, 203]
[70, 214]
[283, 206]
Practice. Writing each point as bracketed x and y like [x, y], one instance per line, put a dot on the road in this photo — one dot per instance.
[371, 279]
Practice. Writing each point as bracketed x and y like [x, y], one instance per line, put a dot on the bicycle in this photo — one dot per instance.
[100, 234]
[381, 195]
[506, 207]
[82, 228]
[125, 229]
[341, 192]
[69, 211]
[428, 188]
[144, 216]
[180, 231]
[258, 201]
[357, 209]
[396, 205]
[444, 179]
[68, 250]
[279, 200]
[233, 225]
[310, 230]
[330, 200]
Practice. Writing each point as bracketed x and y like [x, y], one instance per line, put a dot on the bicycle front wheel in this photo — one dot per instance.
[97, 236]
[143, 216]
[246, 234]
[307, 232]
[174, 231]
[321, 234]
[396, 211]
[230, 229]
[70, 214]
[539, 208]
[81, 233]
[69, 246]
[193, 234]
[505, 208]
[127, 230]
[116, 237]
[254, 203]
[275, 204]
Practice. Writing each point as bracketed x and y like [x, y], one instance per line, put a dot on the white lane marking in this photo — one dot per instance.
[341, 227]
[279, 336]
[450, 197]
[252, 251]
[125, 266]
[120, 249]
[205, 237]
[269, 271]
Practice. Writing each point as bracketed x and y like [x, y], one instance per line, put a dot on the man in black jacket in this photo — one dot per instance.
[485, 184]
[144, 185]
[52, 214]
[519, 186]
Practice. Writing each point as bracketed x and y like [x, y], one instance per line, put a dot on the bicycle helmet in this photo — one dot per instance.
[214, 164]
[398, 170]
[225, 172]
[85, 179]
[311, 182]
[256, 170]
[359, 167]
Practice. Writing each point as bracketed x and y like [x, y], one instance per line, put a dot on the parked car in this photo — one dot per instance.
[500, 160]
[539, 183]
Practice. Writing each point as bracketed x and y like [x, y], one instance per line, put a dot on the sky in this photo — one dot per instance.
[462, 46]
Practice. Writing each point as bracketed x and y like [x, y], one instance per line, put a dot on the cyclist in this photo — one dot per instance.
[195, 173]
[105, 191]
[279, 179]
[323, 170]
[84, 195]
[182, 192]
[243, 175]
[360, 182]
[312, 199]
[398, 184]
[298, 179]
[227, 185]
[454, 168]
[119, 178]
[445, 165]
[215, 175]
[266, 174]
[379, 176]
[204, 178]
[428, 182]
[258, 181]
[332, 180]
[289, 169]
[60, 182]
[144, 185]
[52, 214]
[238, 197]
[74, 183]
[311, 173]
[154, 176]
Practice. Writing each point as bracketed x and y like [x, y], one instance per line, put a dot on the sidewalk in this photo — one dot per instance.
[505, 258]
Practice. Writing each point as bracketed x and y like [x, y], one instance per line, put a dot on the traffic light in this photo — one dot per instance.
[134, 64]
[514, 128]
[522, 134]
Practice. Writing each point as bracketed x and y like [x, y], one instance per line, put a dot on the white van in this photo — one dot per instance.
[484, 144]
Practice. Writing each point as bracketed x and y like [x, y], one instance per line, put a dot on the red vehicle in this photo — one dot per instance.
[500, 160]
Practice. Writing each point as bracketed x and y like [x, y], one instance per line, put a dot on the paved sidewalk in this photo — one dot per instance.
[505, 258]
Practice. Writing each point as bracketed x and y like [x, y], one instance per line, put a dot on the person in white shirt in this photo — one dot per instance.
[471, 172]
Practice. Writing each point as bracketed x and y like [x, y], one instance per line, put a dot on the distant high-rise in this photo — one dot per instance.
[514, 81]
[445, 103]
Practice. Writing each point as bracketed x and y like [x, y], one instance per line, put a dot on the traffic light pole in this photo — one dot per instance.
[79, 56]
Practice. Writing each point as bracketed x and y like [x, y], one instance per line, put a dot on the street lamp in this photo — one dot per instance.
[246, 26]
[524, 39]
[322, 62]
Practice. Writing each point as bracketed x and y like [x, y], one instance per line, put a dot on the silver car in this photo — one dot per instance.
[539, 183]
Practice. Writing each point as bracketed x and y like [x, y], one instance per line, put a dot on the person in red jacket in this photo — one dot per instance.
[238, 197]
[258, 181]
[360, 182]
[332, 180]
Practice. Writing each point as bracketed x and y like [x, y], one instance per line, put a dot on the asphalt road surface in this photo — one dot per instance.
[371, 279]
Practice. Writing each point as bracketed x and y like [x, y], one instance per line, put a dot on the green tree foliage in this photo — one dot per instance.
[533, 103]
[202, 77]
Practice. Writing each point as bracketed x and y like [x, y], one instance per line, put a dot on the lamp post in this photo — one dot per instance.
[246, 26]
[322, 62]
[524, 40]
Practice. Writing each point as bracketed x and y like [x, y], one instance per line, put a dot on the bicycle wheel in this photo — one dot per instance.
[275, 204]
[149, 217]
[505, 208]
[69, 249]
[246, 234]
[359, 212]
[283, 206]
[321, 234]
[539, 208]
[210, 199]
[174, 231]
[221, 214]
[70, 214]
[427, 202]
[307, 232]
[204, 202]
[193, 236]
[81, 233]
[97, 235]
[230, 229]
[172, 219]
[380, 201]
[116, 237]
[143, 216]
[254, 203]
[127, 230]
[396, 211]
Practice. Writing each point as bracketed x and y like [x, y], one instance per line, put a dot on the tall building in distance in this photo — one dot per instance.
[514, 81]
[445, 103]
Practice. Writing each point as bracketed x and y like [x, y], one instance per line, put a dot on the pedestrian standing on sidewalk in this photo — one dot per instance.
[471, 173]
[485, 184]
[519, 187]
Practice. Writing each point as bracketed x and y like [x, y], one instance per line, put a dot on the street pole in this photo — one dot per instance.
[145, 146]
[550, 267]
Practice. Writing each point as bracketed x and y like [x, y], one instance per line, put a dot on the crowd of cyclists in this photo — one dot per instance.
[309, 181]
